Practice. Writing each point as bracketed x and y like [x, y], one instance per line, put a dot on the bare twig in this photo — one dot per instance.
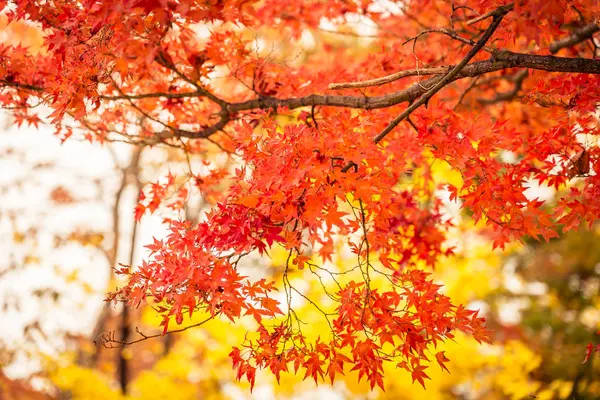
[495, 13]
[109, 342]
[389, 78]
[123, 362]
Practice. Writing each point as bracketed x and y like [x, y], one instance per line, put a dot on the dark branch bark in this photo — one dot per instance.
[550, 63]
[500, 60]
[578, 36]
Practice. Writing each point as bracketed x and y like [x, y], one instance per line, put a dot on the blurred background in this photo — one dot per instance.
[66, 219]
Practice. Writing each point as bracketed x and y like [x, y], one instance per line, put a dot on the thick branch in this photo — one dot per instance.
[550, 63]
[502, 60]
[578, 36]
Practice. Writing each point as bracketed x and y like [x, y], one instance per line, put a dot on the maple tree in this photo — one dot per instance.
[324, 151]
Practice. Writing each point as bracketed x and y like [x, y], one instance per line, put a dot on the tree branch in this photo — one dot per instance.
[449, 77]
[389, 78]
[123, 364]
[501, 60]
[165, 61]
[111, 343]
[500, 11]
[509, 95]
[580, 35]
[17, 85]
[152, 96]
[113, 251]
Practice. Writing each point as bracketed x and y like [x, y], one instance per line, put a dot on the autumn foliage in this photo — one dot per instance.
[326, 145]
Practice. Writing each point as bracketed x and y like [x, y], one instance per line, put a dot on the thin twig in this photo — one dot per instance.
[495, 13]
[111, 343]
[389, 78]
